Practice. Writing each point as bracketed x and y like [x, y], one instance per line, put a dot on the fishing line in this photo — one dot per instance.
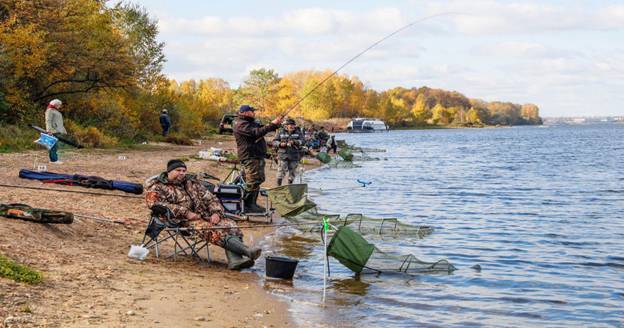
[363, 52]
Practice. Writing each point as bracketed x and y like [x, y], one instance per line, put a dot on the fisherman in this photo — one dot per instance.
[314, 141]
[322, 136]
[192, 205]
[331, 144]
[165, 122]
[54, 125]
[252, 151]
[289, 142]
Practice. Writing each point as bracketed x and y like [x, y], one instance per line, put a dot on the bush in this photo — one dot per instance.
[90, 136]
[18, 272]
[15, 138]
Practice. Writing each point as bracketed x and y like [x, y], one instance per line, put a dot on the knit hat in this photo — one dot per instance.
[55, 104]
[174, 164]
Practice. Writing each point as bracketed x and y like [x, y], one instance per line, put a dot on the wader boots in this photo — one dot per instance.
[250, 203]
[235, 250]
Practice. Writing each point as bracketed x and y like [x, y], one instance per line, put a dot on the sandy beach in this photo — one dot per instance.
[89, 279]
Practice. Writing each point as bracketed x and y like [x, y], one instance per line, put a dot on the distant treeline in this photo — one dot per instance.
[105, 64]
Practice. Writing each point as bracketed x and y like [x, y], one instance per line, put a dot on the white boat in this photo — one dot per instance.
[366, 125]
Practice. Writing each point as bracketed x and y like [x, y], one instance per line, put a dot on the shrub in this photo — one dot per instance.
[91, 136]
[14, 138]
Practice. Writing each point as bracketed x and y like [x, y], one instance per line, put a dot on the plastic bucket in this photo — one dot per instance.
[280, 267]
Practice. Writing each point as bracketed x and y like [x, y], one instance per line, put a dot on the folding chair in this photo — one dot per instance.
[185, 239]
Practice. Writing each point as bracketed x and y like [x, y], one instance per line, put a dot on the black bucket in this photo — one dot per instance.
[280, 267]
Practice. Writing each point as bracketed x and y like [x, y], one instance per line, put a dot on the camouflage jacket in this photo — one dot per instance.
[187, 196]
[292, 152]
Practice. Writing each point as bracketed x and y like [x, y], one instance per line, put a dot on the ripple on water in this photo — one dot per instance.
[535, 208]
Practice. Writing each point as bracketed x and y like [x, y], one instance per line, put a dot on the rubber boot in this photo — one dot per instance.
[262, 209]
[235, 245]
[237, 262]
[250, 203]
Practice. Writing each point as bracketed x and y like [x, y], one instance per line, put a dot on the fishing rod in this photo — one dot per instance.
[418, 21]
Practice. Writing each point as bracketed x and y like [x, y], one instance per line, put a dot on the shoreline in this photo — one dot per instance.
[121, 291]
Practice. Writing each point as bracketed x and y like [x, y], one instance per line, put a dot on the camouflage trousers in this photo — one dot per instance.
[217, 236]
[287, 166]
[254, 173]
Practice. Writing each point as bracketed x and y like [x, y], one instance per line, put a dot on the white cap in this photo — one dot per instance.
[56, 103]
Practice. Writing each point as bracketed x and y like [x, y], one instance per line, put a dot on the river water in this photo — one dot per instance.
[540, 209]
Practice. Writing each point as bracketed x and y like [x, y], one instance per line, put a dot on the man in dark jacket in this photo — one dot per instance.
[165, 122]
[252, 150]
[289, 142]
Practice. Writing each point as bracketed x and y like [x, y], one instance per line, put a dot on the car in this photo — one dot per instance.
[227, 123]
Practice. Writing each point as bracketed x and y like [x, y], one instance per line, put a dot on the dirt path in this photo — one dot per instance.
[89, 280]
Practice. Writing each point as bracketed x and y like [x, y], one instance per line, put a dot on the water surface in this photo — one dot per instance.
[541, 210]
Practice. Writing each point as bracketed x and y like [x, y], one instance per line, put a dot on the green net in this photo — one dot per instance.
[343, 145]
[346, 154]
[340, 164]
[290, 200]
[350, 249]
[291, 203]
[360, 256]
[323, 157]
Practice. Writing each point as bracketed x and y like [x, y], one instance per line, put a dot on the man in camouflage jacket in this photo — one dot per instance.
[288, 142]
[192, 205]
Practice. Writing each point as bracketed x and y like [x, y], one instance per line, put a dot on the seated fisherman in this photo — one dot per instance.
[193, 205]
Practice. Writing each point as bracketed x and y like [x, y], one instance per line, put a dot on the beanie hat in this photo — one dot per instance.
[174, 164]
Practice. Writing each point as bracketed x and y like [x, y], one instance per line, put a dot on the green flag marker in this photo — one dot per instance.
[325, 224]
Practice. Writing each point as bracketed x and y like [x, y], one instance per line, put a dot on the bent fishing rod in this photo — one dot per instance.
[418, 21]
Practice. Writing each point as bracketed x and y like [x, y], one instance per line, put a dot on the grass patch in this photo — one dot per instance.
[18, 272]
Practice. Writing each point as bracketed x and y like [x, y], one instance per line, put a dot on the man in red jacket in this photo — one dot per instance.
[252, 150]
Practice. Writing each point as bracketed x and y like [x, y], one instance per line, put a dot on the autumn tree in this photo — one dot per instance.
[54, 48]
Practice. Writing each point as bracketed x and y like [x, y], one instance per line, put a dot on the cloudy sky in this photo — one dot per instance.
[565, 56]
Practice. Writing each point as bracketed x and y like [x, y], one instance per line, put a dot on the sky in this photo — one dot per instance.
[567, 57]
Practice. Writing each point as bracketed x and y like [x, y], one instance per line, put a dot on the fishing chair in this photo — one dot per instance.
[185, 239]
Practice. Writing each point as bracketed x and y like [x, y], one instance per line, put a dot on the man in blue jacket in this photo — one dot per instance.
[165, 122]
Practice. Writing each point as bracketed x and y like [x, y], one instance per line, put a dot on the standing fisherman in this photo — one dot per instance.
[288, 142]
[252, 151]
[54, 125]
[165, 122]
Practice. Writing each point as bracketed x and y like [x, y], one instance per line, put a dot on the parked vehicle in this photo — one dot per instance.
[227, 123]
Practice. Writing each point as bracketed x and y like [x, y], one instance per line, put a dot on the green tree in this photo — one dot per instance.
[141, 32]
[260, 89]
